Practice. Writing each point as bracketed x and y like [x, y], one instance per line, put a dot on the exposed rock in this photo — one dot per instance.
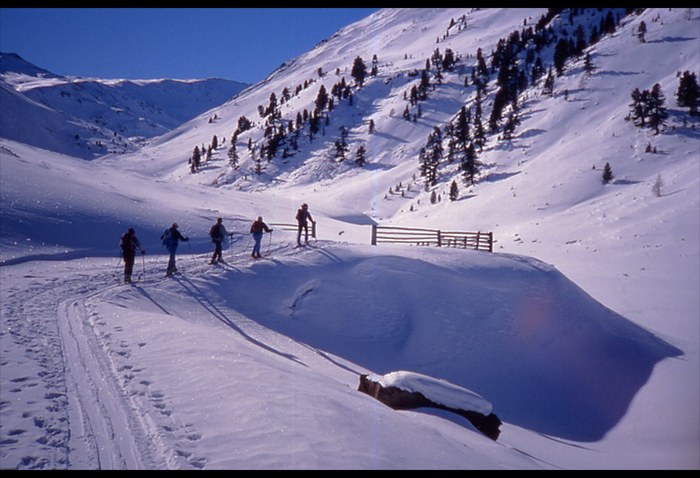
[400, 399]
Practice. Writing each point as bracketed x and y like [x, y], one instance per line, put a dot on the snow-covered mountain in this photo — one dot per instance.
[580, 331]
[90, 117]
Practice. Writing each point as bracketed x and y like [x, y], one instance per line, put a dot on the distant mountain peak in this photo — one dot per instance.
[89, 117]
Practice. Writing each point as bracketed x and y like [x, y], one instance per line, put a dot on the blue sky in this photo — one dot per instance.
[242, 44]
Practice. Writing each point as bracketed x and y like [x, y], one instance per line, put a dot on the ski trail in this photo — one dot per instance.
[105, 412]
[98, 411]
[31, 366]
[47, 344]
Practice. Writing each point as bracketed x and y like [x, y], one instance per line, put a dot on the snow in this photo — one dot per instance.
[87, 117]
[580, 331]
[438, 391]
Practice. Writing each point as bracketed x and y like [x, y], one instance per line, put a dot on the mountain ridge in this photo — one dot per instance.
[93, 116]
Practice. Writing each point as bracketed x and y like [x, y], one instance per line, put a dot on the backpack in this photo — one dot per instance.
[125, 244]
[215, 232]
[166, 237]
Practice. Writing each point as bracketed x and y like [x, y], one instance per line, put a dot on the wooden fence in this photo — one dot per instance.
[480, 241]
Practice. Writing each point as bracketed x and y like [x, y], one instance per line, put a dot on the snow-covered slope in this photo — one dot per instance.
[93, 117]
[581, 329]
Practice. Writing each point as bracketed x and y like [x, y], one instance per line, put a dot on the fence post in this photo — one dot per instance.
[439, 239]
[374, 234]
[313, 229]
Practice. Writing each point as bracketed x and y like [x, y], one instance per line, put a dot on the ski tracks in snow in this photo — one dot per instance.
[102, 414]
[32, 435]
[105, 411]
[129, 412]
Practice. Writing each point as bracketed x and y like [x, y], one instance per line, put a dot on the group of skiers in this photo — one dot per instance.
[129, 243]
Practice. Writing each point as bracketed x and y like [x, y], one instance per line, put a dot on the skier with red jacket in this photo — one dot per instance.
[257, 231]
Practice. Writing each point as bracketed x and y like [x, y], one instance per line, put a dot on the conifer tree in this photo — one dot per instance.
[423, 162]
[452, 147]
[482, 70]
[233, 156]
[360, 155]
[321, 99]
[424, 85]
[512, 121]
[657, 109]
[607, 173]
[561, 53]
[588, 64]
[196, 159]
[435, 151]
[448, 60]
[341, 146]
[642, 31]
[688, 93]
[461, 131]
[359, 71]
[537, 71]
[272, 110]
[549, 84]
[469, 166]
[454, 191]
[639, 107]
[244, 124]
[258, 163]
[580, 35]
[499, 102]
[479, 131]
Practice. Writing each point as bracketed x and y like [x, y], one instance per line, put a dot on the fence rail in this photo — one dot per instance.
[480, 241]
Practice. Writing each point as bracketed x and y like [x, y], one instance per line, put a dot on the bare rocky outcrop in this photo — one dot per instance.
[400, 399]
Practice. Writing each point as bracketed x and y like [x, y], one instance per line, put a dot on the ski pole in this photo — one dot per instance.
[191, 253]
[117, 268]
[143, 265]
[247, 244]
[269, 244]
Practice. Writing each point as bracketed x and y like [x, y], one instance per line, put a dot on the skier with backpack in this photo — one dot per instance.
[303, 215]
[129, 244]
[257, 231]
[171, 238]
[218, 234]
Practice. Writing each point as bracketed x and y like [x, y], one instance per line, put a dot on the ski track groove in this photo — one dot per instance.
[104, 413]
[96, 418]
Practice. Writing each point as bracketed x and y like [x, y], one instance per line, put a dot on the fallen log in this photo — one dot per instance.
[407, 391]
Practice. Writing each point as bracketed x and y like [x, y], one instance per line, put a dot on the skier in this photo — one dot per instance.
[257, 231]
[218, 234]
[129, 244]
[170, 238]
[303, 215]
